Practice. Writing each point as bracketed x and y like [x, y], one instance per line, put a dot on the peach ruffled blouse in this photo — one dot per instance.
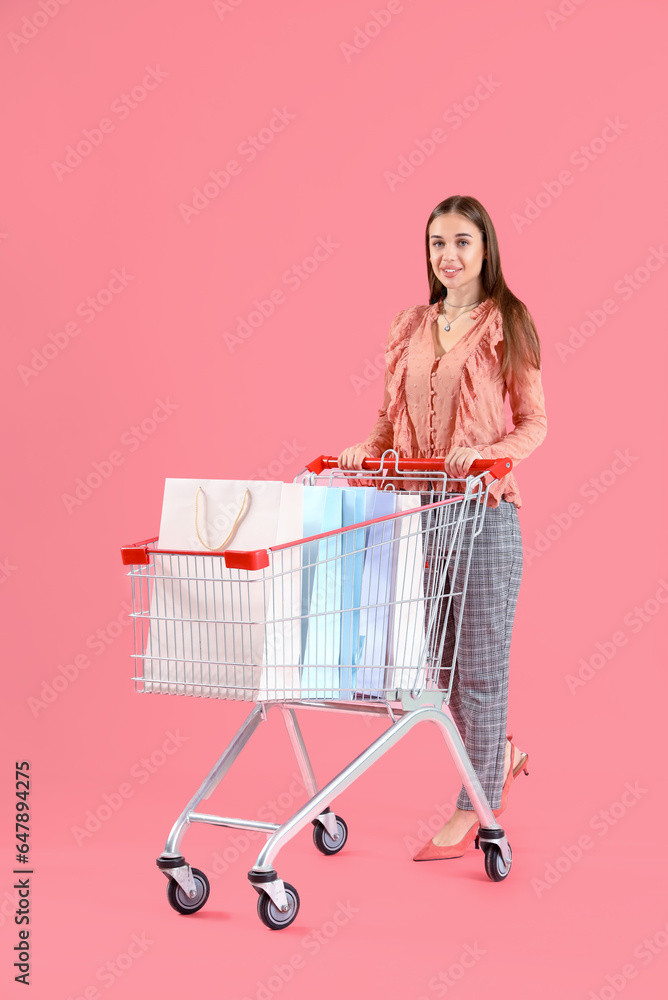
[433, 404]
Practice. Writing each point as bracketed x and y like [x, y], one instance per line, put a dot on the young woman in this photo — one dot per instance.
[449, 367]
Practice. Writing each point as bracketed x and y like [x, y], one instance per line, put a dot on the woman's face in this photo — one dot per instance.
[456, 251]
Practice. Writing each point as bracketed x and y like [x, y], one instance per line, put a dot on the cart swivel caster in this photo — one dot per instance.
[179, 898]
[494, 845]
[278, 902]
[269, 913]
[326, 840]
[187, 888]
[495, 868]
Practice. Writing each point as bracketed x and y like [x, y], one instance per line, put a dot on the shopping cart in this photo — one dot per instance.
[198, 633]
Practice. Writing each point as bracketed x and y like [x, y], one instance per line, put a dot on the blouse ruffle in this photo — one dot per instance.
[394, 427]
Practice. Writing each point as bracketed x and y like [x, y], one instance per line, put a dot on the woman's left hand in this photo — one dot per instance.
[458, 462]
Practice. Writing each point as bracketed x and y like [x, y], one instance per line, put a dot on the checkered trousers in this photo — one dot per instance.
[479, 694]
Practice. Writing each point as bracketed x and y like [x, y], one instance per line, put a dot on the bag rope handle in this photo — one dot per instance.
[217, 548]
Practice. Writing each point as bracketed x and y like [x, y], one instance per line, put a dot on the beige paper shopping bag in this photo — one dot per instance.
[208, 629]
[204, 515]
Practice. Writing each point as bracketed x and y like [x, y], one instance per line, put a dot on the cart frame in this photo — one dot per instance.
[278, 901]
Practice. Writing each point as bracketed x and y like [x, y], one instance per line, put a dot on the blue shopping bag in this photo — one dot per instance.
[320, 670]
[313, 516]
[354, 505]
[375, 597]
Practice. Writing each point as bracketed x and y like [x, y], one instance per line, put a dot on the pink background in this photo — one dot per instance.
[354, 100]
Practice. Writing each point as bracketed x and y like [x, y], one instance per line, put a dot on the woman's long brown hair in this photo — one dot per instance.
[521, 346]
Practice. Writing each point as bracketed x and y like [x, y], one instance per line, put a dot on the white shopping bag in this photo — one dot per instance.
[406, 647]
[208, 629]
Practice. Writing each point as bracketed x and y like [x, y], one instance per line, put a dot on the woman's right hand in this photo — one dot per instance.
[352, 458]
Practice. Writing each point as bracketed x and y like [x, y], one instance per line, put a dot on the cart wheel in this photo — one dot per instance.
[269, 913]
[181, 901]
[495, 868]
[325, 843]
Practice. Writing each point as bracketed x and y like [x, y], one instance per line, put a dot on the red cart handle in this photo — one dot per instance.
[140, 554]
[497, 467]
